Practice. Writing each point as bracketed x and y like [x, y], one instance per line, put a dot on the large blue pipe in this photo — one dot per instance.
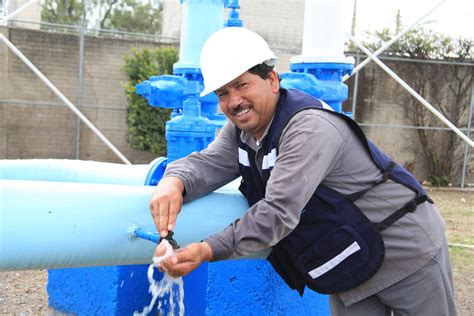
[47, 224]
[51, 224]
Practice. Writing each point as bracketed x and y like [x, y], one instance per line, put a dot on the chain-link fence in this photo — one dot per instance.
[405, 128]
[87, 67]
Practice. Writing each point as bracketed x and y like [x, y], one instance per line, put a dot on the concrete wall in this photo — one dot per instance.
[34, 123]
[378, 103]
[387, 107]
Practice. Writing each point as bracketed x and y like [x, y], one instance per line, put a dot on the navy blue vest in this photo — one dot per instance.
[334, 247]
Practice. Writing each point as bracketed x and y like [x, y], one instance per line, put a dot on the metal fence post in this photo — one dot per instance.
[466, 147]
[356, 83]
[80, 91]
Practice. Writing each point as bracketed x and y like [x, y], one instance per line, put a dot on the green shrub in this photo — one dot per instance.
[439, 181]
[146, 124]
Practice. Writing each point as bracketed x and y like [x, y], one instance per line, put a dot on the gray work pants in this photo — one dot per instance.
[429, 291]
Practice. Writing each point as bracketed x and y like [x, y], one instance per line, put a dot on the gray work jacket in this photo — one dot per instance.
[315, 147]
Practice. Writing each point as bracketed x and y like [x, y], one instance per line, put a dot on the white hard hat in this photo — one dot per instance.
[230, 52]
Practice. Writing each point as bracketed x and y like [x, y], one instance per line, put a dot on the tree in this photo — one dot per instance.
[63, 12]
[128, 16]
[122, 15]
[446, 86]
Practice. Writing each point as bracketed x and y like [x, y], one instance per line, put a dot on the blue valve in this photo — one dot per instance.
[137, 232]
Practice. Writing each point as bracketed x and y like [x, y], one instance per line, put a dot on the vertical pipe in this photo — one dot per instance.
[80, 92]
[324, 15]
[200, 19]
[466, 147]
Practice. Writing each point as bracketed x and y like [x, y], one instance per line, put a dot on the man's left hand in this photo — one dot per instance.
[186, 259]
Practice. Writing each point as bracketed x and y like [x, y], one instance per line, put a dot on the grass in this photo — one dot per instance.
[457, 208]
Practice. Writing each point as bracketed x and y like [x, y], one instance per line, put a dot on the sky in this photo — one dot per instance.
[453, 17]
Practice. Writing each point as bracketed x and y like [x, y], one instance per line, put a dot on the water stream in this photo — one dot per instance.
[169, 291]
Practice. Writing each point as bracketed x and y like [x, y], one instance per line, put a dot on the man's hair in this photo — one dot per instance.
[262, 70]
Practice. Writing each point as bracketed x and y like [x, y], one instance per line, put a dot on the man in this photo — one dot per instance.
[302, 164]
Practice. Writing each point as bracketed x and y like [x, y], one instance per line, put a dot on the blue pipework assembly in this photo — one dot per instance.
[240, 287]
[194, 120]
[164, 92]
[321, 80]
[188, 130]
[120, 290]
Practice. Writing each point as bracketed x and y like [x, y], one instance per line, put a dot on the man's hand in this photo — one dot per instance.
[185, 259]
[165, 204]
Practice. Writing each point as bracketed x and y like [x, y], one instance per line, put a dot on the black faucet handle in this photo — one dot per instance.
[170, 239]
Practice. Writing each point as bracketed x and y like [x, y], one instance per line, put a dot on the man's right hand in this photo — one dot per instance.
[165, 204]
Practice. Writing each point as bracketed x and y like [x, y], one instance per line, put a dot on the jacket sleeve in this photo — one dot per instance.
[310, 147]
[205, 171]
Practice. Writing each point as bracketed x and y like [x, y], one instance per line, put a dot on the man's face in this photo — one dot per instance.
[250, 101]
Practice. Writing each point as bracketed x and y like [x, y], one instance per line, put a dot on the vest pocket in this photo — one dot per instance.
[333, 260]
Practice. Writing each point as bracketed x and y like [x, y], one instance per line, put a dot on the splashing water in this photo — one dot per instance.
[160, 290]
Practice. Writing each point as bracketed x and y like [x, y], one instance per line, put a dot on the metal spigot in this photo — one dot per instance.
[170, 239]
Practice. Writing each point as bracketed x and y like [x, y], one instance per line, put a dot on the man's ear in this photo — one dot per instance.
[274, 81]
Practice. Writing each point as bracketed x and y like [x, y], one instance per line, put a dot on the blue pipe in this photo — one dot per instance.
[200, 19]
[88, 224]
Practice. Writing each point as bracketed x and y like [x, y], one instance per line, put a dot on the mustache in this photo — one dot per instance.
[240, 108]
